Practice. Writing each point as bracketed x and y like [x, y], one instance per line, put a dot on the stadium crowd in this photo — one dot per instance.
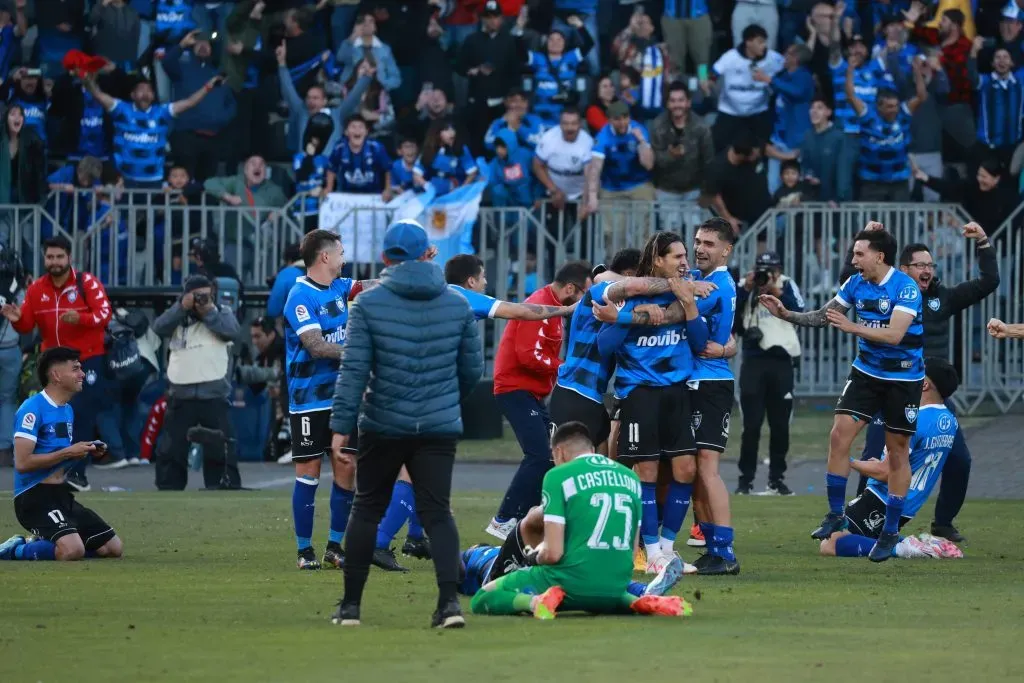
[577, 103]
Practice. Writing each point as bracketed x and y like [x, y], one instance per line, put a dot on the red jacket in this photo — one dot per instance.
[150, 433]
[44, 306]
[527, 357]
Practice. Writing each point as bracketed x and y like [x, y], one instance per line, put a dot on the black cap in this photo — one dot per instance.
[858, 38]
[943, 376]
[491, 9]
[768, 259]
[195, 282]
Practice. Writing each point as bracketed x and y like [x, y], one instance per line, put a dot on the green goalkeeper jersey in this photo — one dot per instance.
[599, 502]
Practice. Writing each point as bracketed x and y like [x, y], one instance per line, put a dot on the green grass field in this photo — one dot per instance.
[208, 591]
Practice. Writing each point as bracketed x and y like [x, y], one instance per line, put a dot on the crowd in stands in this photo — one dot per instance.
[741, 105]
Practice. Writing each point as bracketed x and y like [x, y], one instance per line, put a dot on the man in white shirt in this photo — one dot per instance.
[560, 164]
[744, 101]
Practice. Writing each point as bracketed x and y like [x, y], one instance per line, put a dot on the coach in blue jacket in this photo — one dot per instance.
[413, 354]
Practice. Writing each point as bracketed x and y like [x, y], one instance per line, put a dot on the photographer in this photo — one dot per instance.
[200, 335]
[770, 346]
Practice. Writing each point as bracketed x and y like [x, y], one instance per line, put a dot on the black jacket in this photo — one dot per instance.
[503, 52]
[940, 303]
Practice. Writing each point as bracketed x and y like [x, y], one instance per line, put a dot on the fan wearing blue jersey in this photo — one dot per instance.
[652, 368]
[929, 448]
[465, 274]
[885, 378]
[62, 528]
[140, 129]
[316, 313]
[358, 164]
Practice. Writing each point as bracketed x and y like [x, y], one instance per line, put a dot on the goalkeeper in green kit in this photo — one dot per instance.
[592, 510]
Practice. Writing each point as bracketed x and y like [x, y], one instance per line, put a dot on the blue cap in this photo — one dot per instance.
[405, 240]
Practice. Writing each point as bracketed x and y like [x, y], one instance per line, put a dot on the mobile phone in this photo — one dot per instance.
[34, 72]
[99, 445]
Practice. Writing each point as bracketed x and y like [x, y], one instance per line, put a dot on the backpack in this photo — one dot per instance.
[228, 293]
[124, 362]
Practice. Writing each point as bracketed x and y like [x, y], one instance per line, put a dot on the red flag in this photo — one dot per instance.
[81, 64]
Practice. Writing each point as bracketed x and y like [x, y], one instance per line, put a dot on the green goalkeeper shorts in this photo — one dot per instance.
[536, 580]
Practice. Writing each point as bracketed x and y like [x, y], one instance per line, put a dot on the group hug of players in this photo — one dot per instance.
[663, 330]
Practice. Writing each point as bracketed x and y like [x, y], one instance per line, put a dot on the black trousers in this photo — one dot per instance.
[766, 388]
[171, 464]
[200, 154]
[430, 461]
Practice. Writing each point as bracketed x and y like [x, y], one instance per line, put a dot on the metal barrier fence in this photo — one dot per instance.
[139, 238]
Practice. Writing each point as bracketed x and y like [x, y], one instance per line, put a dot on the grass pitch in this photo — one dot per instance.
[209, 591]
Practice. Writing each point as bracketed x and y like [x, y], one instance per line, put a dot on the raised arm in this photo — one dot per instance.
[106, 101]
[182, 106]
[971, 292]
[635, 286]
[851, 92]
[920, 88]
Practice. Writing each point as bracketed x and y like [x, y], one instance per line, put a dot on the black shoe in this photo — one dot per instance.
[743, 489]
[949, 533]
[882, 550]
[713, 565]
[417, 547]
[778, 488]
[346, 615]
[307, 560]
[449, 616]
[833, 522]
[77, 481]
[334, 556]
[385, 559]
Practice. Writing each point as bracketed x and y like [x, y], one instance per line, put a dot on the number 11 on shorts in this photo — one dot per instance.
[634, 432]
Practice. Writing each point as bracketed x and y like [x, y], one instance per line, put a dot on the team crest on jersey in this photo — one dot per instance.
[72, 296]
[90, 377]
[341, 303]
[934, 304]
[860, 304]
[945, 422]
[29, 421]
[910, 412]
[696, 419]
[884, 305]
[301, 313]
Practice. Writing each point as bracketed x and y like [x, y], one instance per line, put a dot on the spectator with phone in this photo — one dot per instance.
[200, 335]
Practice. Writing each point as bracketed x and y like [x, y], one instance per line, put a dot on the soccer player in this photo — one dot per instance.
[652, 368]
[711, 398]
[591, 508]
[43, 453]
[1000, 330]
[929, 448]
[886, 375]
[316, 313]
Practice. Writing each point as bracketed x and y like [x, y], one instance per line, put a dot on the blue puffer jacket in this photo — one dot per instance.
[414, 349]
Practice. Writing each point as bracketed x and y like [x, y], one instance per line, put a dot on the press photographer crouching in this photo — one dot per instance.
[770, 349]
[200, 334]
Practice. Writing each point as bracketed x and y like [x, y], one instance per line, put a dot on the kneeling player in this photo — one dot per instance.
[591, 510]
[929, 447]
[43, 452]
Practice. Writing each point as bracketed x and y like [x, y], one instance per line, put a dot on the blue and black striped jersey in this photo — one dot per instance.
[585, 370]
[718, 310]
[874, 305]
[140, 140]
[311, 306]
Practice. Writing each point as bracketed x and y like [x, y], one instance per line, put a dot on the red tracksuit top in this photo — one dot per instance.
[44, 306]
[528, 354]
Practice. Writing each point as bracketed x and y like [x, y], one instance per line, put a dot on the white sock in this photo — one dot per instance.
[667, 546]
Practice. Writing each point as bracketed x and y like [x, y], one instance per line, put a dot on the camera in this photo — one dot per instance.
[754, 335]
[201, 299]
[767, 262]
[761, 276]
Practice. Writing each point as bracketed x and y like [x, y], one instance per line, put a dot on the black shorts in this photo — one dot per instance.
[865, 515]
[711, 410]
[511, 557]
[569, 406]
[311, 435]
[655, 424]
[864, 397]
[616, 411]
[50, 511]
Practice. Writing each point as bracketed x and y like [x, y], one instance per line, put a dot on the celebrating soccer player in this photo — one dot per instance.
[1000, 330]
[43, 453]
[886, 375]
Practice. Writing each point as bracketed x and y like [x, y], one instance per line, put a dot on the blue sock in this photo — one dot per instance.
[649, 522]
[721, 542]
[304, 509]
[707, 530]
[677, 504]
[893, 512]
[36, 550]
[501, 519]
[341, 505]
[836, 487]
[415, 528]
[853, 545]
[636, 589]
[396, 514]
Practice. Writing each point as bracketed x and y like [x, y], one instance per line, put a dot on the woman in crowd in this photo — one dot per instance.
[446, 162]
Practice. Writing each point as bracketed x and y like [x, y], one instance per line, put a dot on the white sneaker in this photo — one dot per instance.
[944, 549]
[912, 547]
[285, 459]
[656, 562]
[115, 465]
[134, 462]
[501, 530]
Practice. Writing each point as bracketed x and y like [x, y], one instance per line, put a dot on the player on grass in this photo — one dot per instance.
[929, 448]
[653, 366]
[43, 452]
[465, 274]
[591, 509]
[316, 313]
[886, 375]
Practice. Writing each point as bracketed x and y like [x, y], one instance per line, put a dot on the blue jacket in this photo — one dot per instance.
[413, 354]
[824, 156]
[188, 74]
[387, 69]
[511, 181]
[793, 94]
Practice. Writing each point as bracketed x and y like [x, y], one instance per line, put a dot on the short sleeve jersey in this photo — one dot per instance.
[483, 306]
[50, 427]
[585, 371]
[622, 169]
[599, 502]
[718, 309]
[652, 356]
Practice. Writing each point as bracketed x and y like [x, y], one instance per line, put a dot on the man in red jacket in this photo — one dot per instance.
[70, 309]
[525, 370]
